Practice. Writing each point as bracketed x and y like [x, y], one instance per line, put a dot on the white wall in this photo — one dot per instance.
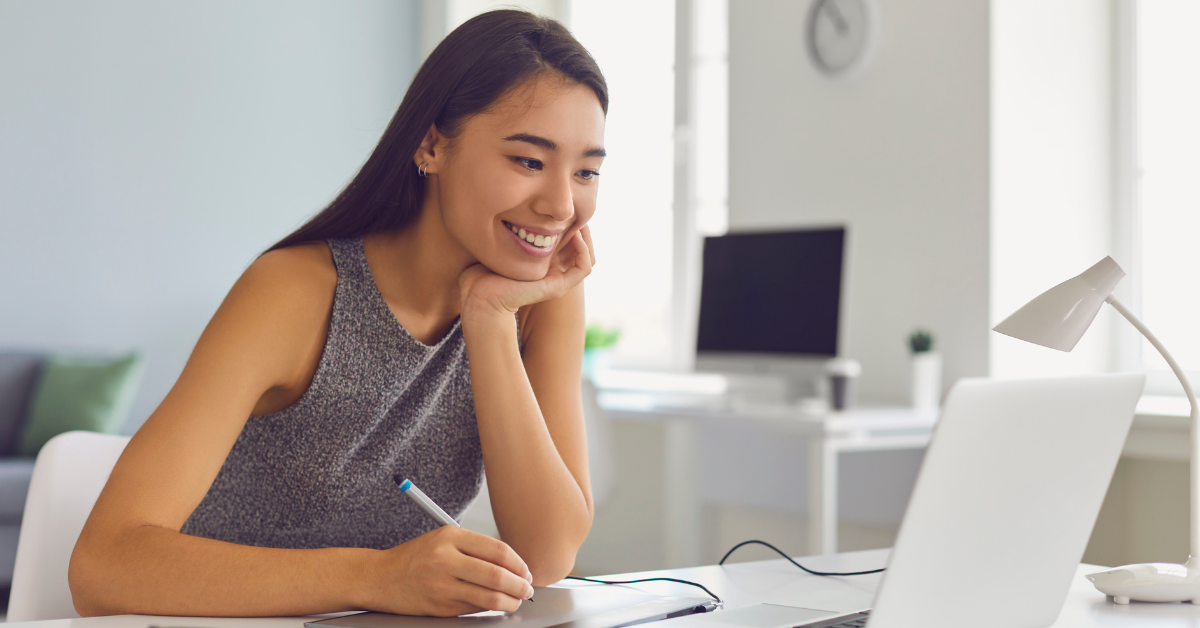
[899, 154]
[150, 150]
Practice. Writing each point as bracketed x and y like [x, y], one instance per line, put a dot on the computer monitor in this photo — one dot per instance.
[769, 301]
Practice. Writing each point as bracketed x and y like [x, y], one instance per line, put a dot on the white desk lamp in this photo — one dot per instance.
[1057, 318]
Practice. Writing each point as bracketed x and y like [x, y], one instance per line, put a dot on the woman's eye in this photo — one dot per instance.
[530, 164]
[588, 175]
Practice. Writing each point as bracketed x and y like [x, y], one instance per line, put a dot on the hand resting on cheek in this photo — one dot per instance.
[484, 291]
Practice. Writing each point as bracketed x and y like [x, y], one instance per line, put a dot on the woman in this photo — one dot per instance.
[262, 485]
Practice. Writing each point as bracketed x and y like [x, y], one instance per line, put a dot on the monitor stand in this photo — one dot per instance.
[768, 378]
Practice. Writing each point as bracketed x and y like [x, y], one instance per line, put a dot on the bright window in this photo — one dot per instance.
[630, 288]
[1168, 159]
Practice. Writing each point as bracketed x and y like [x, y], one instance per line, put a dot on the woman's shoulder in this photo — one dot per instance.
[278, 312]
[300, 270]
[291, 289]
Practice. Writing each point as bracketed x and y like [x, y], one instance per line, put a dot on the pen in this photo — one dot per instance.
[426, 504]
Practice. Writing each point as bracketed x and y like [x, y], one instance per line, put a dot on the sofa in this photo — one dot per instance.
[19, 372]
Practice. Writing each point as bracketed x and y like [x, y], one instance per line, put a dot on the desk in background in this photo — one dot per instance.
[826, 435]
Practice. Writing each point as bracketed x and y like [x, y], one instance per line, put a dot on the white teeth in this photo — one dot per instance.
[540, 241]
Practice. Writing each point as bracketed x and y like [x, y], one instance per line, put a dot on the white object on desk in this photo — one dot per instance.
[990, 494]
[70, 472]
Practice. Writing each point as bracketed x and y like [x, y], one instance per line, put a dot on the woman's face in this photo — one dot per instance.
[527, 169]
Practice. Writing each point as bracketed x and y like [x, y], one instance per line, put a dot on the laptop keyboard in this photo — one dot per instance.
[857, 620]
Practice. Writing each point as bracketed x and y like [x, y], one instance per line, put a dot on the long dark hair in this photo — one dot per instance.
[468, 71]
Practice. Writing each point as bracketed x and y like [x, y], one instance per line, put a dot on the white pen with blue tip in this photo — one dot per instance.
[426, 504]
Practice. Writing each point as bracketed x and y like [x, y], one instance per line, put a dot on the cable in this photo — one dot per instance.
[694, 584]
[727, 554]
[789, 559]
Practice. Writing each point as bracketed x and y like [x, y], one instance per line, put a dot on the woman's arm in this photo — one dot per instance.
[530, 417]
[259, 350]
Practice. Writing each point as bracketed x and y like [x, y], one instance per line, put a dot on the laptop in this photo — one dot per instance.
[1001, 514]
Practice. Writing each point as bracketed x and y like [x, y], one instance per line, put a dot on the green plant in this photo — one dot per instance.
[920, 341]
[596, 336]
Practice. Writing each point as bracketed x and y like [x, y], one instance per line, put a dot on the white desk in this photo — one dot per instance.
[752, 583]
[827, 434]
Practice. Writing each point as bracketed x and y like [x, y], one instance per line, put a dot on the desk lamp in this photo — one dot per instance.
[1057, 319]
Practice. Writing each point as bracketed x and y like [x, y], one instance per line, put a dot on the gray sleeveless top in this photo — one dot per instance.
[381, 403]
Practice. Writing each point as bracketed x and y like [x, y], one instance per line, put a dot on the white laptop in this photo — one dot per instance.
[1001, 513]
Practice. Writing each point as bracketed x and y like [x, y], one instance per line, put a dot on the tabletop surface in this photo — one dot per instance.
[741, 584]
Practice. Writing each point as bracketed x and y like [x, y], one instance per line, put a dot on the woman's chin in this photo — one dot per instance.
[520, 272]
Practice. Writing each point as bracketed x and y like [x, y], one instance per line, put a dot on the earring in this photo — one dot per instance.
[421, 169]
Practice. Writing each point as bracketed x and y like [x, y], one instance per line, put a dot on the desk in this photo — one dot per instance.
[826, 434]
[752, 583]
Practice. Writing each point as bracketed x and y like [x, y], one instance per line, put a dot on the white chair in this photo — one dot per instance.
[70, 472]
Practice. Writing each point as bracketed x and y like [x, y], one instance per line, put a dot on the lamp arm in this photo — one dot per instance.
[1195, 416]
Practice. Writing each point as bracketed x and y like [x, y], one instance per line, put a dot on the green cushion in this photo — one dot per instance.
[92, 394]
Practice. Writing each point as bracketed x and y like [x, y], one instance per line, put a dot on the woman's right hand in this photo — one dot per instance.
[449, 571]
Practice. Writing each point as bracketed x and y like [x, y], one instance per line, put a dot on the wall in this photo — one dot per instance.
[150, 150]
[899, 154]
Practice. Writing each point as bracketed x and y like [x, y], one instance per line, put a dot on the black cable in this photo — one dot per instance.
[789, 559]
[694, 584]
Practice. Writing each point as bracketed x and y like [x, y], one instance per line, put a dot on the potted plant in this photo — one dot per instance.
[926, 370]
[597, 344]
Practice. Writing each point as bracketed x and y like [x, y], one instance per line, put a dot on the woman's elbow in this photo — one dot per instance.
[85, 575]
[555, 563]
[552, 569]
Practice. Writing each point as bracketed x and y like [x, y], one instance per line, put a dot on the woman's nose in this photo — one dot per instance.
[556, 200]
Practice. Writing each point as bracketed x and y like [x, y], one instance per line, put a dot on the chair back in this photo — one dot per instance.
[70, 472]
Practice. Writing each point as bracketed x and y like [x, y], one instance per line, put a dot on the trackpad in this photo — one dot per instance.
[756, 616]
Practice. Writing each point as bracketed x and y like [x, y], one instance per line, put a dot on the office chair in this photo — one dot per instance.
[70, 472]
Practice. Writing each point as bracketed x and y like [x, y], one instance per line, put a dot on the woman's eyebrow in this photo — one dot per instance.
[549, 144]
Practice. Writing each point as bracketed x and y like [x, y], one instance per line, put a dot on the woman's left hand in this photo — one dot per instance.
[484, 291]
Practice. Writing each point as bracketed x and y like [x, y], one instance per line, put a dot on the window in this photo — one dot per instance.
[630, 287]
[1166, 168]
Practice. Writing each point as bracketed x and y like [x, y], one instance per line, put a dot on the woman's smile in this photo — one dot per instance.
[537, 244]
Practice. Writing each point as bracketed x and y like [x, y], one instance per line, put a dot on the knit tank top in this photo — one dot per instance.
[381, 403]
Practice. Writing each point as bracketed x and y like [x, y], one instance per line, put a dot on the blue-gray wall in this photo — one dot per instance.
[150, 150]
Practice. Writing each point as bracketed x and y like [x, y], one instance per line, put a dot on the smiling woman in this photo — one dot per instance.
[262, 483]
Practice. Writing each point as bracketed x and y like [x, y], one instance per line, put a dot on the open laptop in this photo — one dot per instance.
[1001, 513]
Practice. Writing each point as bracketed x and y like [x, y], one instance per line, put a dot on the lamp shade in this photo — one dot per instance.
[1058, 317]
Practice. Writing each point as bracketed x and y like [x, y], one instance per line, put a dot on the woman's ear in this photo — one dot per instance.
[432, 151]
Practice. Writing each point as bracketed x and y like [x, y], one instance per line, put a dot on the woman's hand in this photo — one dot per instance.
[449, 571]
[482, 289]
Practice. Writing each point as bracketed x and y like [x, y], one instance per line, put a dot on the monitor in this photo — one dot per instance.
[774, 293]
